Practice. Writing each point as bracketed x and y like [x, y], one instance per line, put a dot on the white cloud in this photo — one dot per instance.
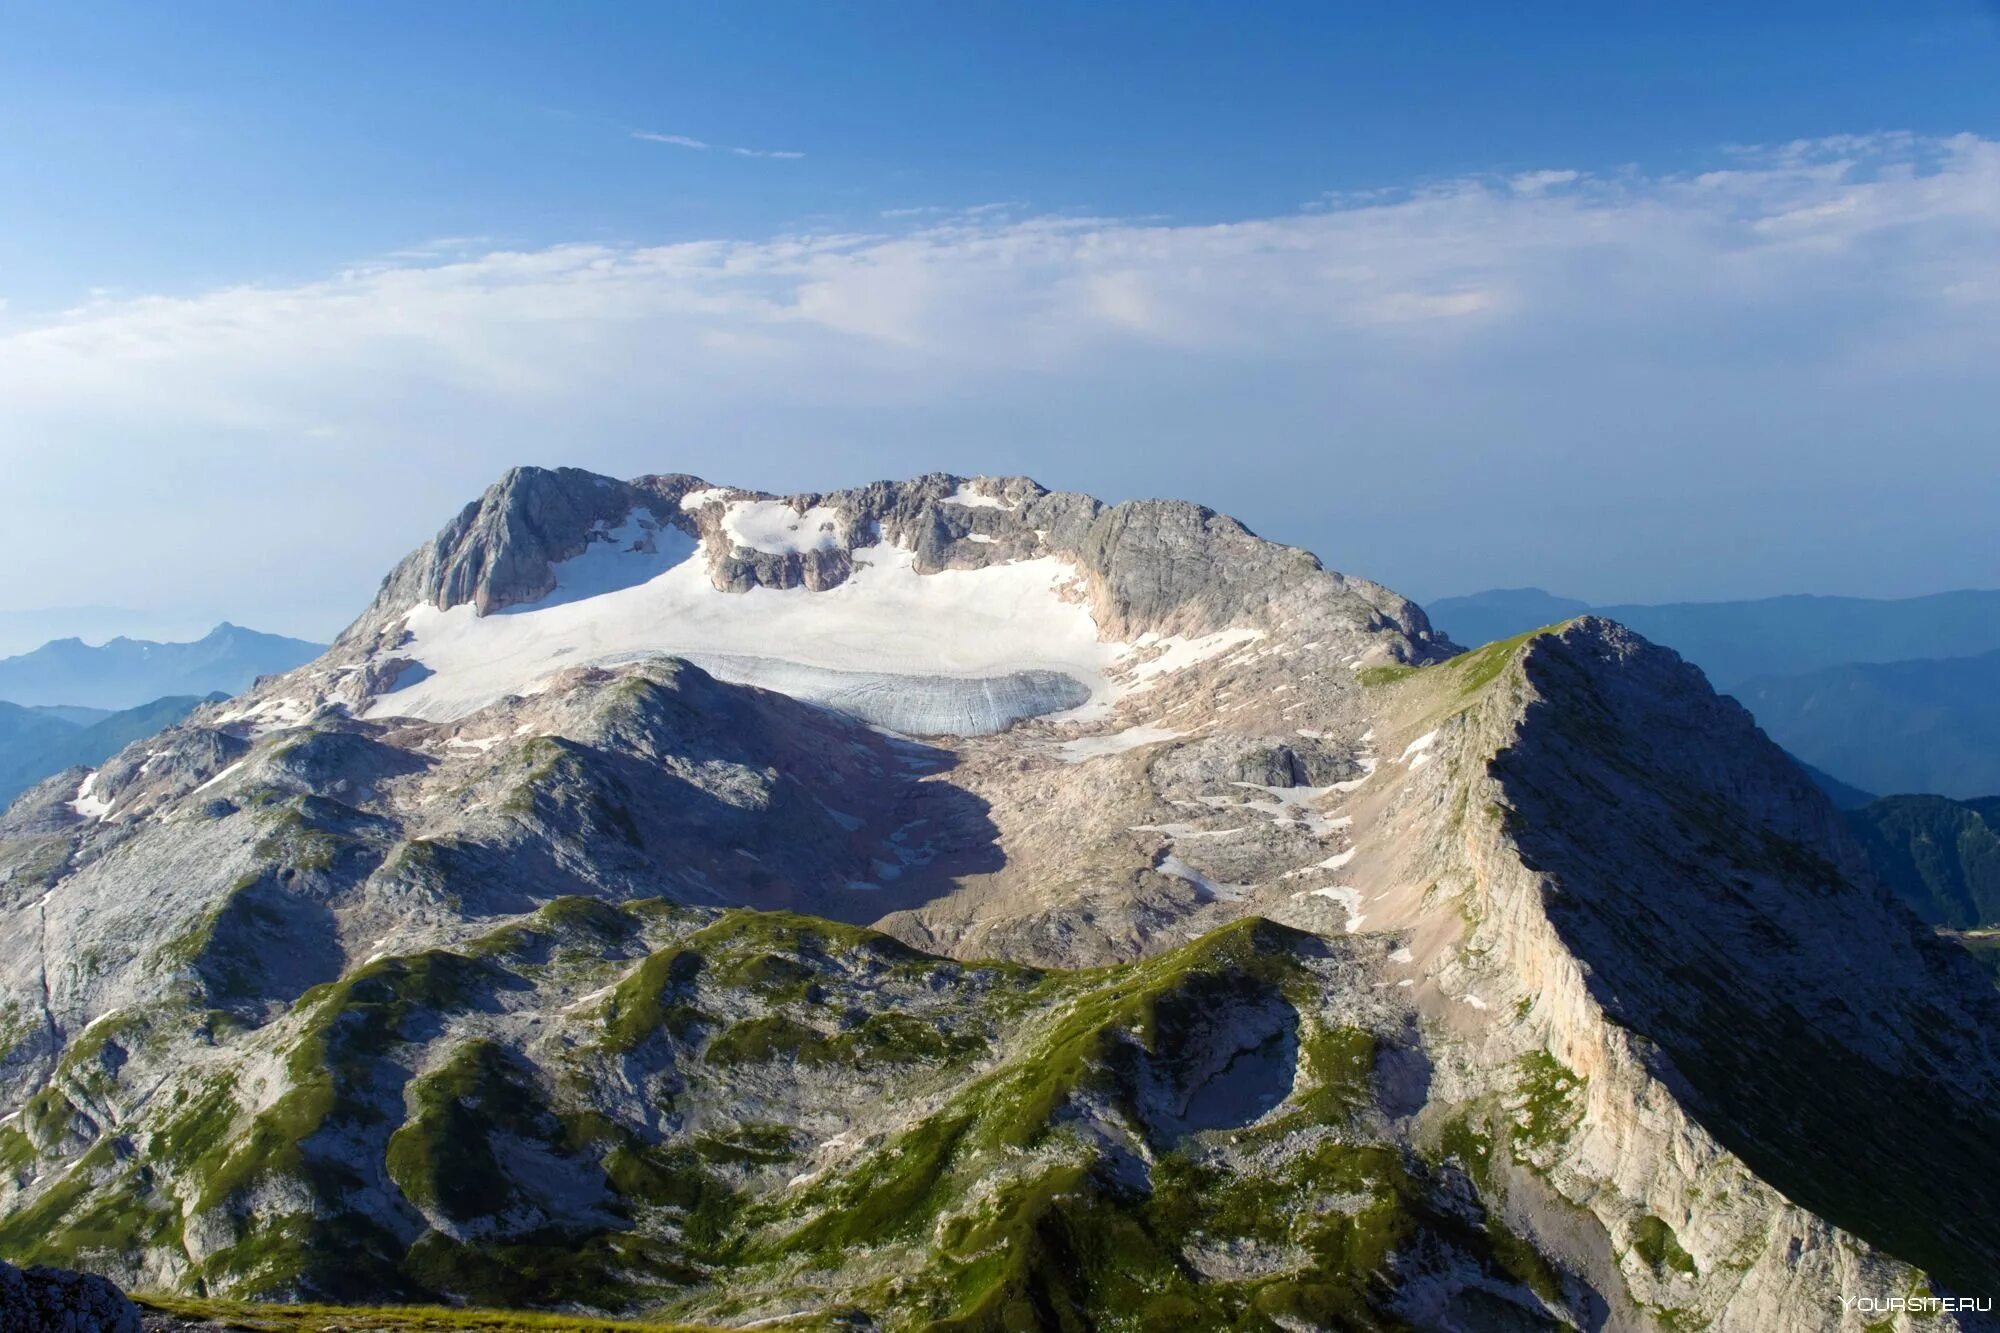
[683, 141]
[1540, 182]
[1551, 362]
[678, 140]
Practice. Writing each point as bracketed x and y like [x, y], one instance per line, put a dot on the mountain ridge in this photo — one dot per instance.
[1928, 725]
[124, 673]
[1734, 640]
[29, 755]
[1486, 1068]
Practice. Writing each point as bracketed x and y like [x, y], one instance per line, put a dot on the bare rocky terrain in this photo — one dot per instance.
[951, 904]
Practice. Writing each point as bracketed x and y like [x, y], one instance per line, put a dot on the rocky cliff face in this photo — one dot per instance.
[520, 951]
[1719, 1037]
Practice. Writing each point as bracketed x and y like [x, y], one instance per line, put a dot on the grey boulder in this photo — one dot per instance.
[55, 1300]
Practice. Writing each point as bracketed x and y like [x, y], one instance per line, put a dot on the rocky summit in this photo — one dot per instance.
[951, 904]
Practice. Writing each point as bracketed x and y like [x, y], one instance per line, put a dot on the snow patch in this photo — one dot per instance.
[1418, 746]
[884, 629]
[1289, 803]
[1177, 652]
[1179, 869]
[957, 652]
[86, 802]
[1185, 830]
[1368, 765]
[971, 499]
[273, 714]
[776, 528]
[1118, 742]
[104, 1017]
[1345, 896]
[637, 548]
[709, 495]
[220, 776]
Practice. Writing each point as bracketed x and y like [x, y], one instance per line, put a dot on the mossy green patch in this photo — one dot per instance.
[897, 1039]
[18, 1026]
[442, 1158]
[773, 976]
[1341, 1066]
[656, 996]
[1084, 1048]
[310, 1318]
[1252, 959]
[750, 1145]
[574, 921]
[744, 930]
[196, 1127]
[50, 1117]
[17, 1152]
[1375, 677]
[340, 1079]
[1464, 1142]
[772, 1037]
[883, 1038]
[1474, 671]
[1066, 1248]
[1655, 1242]
[1551, 1102]
[100, 1208]
[1467, 674]
[553, 1269]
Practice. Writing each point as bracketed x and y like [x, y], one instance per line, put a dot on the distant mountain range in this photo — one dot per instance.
[1931, 725]
[1942, 856]
[1768, 636]
[1887, 695]
[125, 673]
[36, 742]
[28, 627]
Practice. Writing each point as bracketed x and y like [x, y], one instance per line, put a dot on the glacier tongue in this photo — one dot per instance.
[957, 652]
[916, 705]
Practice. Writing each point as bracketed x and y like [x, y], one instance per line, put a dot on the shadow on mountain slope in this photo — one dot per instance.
[1725, 915]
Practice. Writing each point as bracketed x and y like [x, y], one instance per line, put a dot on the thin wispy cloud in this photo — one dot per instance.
[702, 145]
[1392, 380]
[677, 140]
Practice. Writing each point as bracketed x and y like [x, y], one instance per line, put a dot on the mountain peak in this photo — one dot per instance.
[125, 673]
[942, 587]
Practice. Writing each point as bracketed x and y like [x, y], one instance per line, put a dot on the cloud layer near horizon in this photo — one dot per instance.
[1773, 374]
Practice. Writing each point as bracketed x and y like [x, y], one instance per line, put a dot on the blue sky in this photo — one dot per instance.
[1635, 301]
